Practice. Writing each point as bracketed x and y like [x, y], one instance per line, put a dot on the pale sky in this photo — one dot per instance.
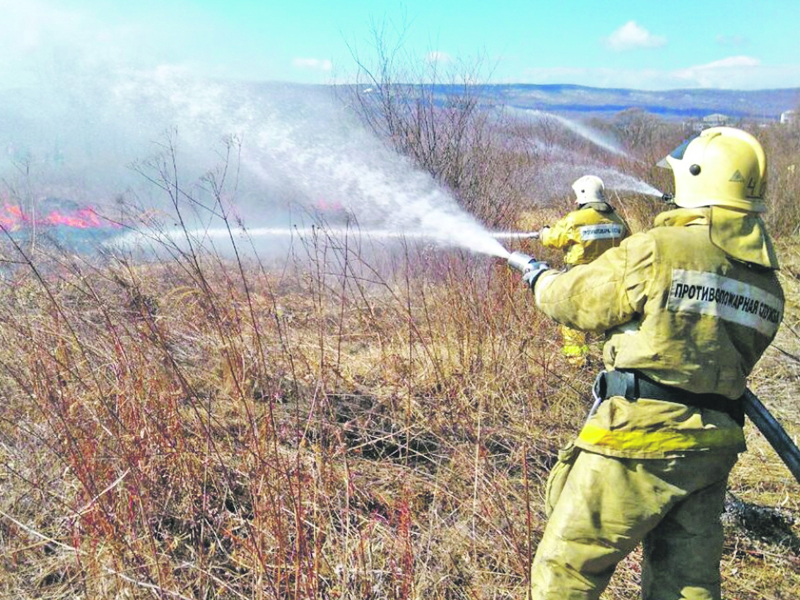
[732, 44]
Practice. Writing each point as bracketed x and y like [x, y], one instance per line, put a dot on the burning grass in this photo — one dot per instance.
[196, 428]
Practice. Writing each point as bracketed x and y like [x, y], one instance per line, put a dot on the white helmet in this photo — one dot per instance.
[589, 188]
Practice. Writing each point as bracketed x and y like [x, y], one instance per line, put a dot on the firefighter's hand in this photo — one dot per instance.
[536, 268]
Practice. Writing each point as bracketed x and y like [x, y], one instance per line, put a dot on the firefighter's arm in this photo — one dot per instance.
[559, 235]
[603, 294]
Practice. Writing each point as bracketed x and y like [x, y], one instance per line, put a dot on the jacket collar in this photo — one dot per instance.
[598, 206]
[741, 235]
[683, 217]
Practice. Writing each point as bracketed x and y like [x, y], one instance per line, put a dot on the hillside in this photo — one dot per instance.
[764, 105]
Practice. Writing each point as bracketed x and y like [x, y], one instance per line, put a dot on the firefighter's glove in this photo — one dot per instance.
[534, 272]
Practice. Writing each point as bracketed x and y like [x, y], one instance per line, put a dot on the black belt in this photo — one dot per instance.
[633, 385]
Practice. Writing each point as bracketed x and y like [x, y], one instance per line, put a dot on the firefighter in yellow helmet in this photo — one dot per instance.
[687, 308]
[584, 234]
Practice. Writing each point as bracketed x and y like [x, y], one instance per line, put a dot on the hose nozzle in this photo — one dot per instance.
[521, 262]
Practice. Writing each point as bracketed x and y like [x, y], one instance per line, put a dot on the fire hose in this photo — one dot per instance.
[774, 433]
[755, 410]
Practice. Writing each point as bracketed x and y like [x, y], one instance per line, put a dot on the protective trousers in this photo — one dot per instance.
[574, 347]
[604, 506]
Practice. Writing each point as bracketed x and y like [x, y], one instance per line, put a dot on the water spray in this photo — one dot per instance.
[580, 129]
[513, 235]
[222, 234]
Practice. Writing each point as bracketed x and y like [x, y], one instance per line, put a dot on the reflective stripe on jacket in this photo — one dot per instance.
[681, 311]
[586, 233]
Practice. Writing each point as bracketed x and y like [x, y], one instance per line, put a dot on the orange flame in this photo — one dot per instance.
[13, 218]
[82, 219]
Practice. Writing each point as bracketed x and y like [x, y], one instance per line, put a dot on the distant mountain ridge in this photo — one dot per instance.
[766, 105]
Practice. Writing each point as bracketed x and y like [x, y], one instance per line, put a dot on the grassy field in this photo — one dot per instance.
[343, 422]
[349, 425]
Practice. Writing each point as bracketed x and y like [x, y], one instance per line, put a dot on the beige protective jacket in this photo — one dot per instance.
[692, 303]
[586, 233]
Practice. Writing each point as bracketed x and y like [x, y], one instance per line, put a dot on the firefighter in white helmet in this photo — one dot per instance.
[584, 234]
[687, 308]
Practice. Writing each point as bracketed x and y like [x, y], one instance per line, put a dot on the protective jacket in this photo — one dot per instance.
[692, 304]
[586, 233]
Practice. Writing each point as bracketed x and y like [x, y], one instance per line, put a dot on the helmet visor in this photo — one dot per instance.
[678, 153]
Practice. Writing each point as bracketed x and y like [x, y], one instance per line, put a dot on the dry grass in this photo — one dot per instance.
[186, 429]
[348, 425]
[166, 431]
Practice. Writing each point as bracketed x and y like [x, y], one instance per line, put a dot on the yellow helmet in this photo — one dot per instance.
[589, 188]
[722, 166]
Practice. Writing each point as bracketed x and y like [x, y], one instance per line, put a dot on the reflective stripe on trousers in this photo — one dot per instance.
[574, 342]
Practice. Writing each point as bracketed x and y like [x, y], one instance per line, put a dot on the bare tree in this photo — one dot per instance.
[429, 109]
